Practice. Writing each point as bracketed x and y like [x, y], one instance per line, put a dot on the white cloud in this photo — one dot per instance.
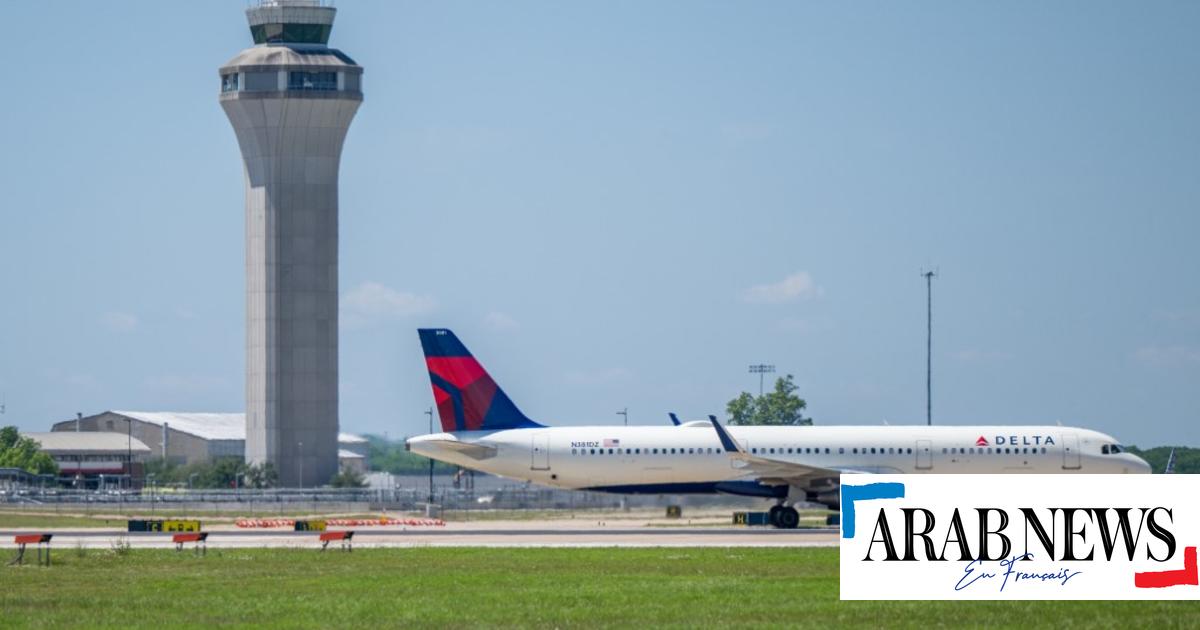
[500, 321]
[1167, 356]
[120, 322]
[596, 377]
[372, 302]
[797, 286]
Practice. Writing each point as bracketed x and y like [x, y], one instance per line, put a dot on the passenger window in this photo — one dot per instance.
[855, 450]
[826, 450]
[910, 451]
[841, 450]
[656, 451]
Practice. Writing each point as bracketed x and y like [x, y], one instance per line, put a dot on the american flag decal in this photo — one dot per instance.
[611, 443]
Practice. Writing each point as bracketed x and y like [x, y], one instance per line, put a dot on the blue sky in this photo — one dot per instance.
[624, 204]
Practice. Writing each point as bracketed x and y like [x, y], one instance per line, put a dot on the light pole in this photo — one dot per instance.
[928, 346]
[129, 450]
[429, 412]
[300, 459]
[760, 370]
[624, 412]
[150, 478]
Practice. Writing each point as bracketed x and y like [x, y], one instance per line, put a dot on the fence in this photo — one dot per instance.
[398, 493]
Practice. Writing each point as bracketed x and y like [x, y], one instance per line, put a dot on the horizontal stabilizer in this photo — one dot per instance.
[474, 451]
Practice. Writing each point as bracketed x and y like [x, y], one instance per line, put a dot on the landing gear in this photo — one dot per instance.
[783, 517]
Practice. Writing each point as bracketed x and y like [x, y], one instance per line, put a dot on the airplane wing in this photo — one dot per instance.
[474, 451]
[775, 471]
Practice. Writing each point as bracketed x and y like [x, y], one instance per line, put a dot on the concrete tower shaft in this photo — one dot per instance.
[291, 99]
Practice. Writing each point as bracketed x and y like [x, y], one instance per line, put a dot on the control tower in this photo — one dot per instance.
[290, 99]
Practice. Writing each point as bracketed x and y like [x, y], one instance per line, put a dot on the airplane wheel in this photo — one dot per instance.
[773, 515]
[788, 518]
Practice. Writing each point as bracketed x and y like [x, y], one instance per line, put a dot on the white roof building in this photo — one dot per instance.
[209, 426]
[184, 437]
[91, 443]
[91, 453]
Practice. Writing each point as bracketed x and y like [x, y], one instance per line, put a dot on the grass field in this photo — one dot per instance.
[456, 587]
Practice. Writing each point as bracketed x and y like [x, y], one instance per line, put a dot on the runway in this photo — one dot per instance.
[461, 535]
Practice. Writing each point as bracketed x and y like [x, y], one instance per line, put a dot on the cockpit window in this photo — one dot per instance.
[1112, 449]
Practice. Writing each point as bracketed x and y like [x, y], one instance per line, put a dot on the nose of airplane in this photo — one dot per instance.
[1137, 465]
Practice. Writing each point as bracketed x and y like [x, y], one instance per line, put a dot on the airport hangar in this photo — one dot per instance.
[92, 459]
[187, 438]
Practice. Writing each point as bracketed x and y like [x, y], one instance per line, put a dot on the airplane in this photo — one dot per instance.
[483, 429]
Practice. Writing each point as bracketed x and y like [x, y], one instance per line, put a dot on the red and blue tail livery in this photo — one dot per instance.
[467, 397]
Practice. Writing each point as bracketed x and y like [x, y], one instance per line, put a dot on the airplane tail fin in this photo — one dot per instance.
[467, 397]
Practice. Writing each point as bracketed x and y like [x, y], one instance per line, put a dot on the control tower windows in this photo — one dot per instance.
[291, 33]
[229, 82]
[326, 81]
[261, 81]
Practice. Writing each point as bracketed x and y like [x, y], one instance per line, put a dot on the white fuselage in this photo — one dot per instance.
[689, 457]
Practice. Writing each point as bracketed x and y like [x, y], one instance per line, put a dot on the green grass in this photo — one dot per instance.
[9, 520]
[457, 587]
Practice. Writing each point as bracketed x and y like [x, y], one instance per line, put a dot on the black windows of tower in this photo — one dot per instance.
[229, 82]
[324, 81]
[291, 33]
[260, 81]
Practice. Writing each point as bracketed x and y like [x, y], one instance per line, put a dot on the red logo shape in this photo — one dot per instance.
[1162, 579]
[982, 441]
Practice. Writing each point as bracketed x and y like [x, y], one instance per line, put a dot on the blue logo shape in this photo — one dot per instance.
[850, 494]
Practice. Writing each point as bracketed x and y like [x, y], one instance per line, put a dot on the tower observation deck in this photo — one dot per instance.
[290, 99]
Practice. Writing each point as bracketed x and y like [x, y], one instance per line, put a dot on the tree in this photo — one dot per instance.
[778, 407]
[348, 478]
[390, 456]
[261, 475]
[1187, 460]
[24, 453]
